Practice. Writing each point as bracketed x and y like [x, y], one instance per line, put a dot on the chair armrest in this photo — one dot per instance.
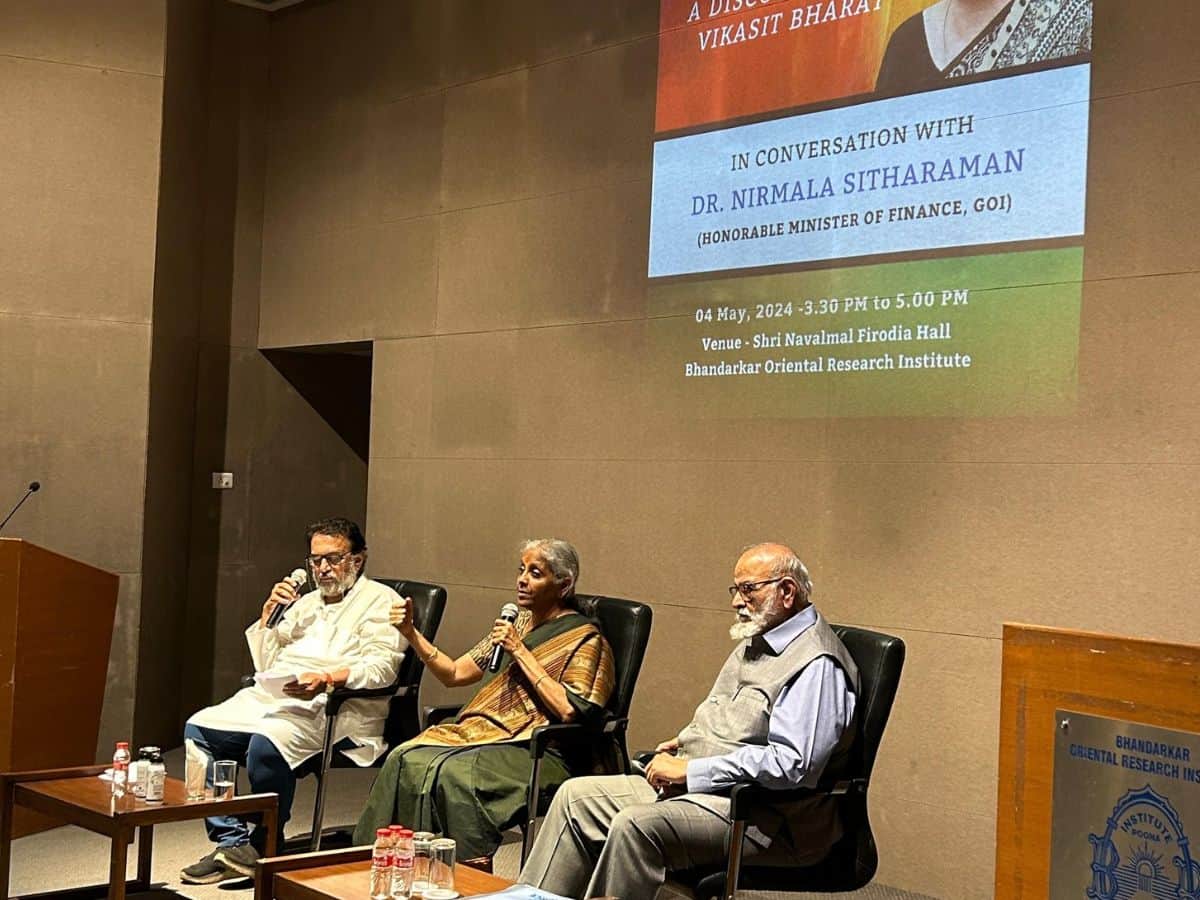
[543, 735]
[745, 797]
[341, 694]
[436, 715]
[616, 725]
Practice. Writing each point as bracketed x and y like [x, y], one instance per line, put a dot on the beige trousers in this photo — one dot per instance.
[609, 835]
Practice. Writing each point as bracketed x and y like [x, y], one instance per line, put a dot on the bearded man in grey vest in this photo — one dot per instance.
[779, 714]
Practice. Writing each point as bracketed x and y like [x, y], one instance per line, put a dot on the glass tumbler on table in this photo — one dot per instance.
[441, 870]
[224, 779]
[421, 860]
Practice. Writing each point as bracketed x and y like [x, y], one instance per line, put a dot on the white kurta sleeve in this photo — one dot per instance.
[264, 646]
[265, 643]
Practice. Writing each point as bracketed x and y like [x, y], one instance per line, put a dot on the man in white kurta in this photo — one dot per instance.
[336, 635]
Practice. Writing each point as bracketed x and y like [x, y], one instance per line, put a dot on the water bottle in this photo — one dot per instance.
[154, 776]
[402, 864]
[135, 783]
[120, 768]
[381, 865]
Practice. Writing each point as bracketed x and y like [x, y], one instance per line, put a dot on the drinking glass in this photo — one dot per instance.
[195, 770]
[421, 860]
[441, 870]
[224, 779]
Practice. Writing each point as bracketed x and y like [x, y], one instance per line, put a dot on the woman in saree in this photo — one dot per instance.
[958, 38]
[467, 779]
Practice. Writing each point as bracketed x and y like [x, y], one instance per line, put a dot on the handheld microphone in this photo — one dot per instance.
[508, 612]
[34, 487]
[296, 580]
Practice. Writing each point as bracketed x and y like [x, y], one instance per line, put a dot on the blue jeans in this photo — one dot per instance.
[268, 773]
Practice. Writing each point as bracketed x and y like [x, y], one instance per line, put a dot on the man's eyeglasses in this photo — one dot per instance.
[749, 587]
[334, 559]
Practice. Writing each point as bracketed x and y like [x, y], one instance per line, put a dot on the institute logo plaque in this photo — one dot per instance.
[1126, 799]
[1143, 852]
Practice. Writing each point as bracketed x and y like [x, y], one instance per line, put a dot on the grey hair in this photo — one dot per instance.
[787, 564]
[561, 557]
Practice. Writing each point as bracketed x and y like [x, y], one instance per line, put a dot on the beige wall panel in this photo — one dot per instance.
[574, 391]
[421, 44]
[116, 715]
[75, 403]
[79, 158]
[75, 255]
[355, 166]
[1144, 192]
[82, 130]
[406, 48]
[90, 503]
[569, 29]
[940, 744]
[936, 852]
[487, 151]
[232, 615]
[317, 174]
[539, 392]
[406, 157]
[399, 528]
[961, 548]
[1137, 346]
[402, 375]
[577, 257]
[593, 118]
[462, 518]
[1143, 45]
[355, 284]
[320, 58]
[124, 35]
[579, 122]
[480, 40]
[76, 380]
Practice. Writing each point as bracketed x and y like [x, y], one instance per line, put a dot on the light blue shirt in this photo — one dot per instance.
[806, 723]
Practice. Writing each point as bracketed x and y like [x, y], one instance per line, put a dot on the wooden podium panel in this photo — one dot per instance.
[1044, 669]
[56, 624]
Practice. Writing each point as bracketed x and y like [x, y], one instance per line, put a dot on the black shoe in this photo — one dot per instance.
[206, 870]
[240, 859]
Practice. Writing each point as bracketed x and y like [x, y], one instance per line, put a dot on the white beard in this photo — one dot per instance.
[753, 623]
[338, 588]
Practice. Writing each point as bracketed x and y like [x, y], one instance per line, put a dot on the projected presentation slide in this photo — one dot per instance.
[870, 207]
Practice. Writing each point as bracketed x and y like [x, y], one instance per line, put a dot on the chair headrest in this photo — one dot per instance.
[626, 626]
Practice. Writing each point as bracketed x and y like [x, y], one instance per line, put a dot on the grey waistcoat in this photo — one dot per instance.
[737, 712]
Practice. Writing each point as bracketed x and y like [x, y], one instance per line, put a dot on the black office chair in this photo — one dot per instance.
[403, 722]
[854, 858]
[626, 626]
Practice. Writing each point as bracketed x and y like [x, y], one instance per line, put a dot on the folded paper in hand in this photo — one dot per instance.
[273, 682]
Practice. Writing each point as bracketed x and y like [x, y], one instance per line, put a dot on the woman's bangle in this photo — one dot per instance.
[430, 658]
[539, 679]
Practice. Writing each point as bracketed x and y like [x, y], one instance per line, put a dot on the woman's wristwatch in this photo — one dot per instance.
[330, 685]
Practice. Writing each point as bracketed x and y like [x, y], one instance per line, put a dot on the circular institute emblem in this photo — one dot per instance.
[1143, 852]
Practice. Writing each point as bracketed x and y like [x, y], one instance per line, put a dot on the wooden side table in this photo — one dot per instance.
[345, 875]
[77, 797]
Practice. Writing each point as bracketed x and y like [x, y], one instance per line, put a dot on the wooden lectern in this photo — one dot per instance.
[1046, 669]
[56, 624]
